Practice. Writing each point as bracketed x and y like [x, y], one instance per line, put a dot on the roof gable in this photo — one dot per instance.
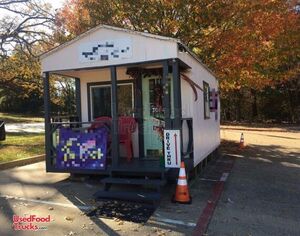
[106, 45]
[108, 27]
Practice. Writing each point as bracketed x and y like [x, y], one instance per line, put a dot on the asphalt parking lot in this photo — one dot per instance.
[262, 193]
[260, 196]
[28, 190]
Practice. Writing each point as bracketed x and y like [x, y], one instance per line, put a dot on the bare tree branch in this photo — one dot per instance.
[31, 23]
[9, 2]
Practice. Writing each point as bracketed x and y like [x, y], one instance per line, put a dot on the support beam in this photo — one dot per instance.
[78, 98]
[166, 96]
[176, 94]
[139, 110]
[114, 114]
[47, 110]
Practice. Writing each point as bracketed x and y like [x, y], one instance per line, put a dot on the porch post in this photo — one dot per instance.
[78, 98]
[176, 94]
[139, 110]
[166, 96]
[114, 114]
[47, 111]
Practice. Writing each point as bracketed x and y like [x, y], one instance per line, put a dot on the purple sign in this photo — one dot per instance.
[82, 150]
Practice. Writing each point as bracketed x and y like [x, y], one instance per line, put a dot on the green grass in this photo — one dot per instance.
[20, 118]
[21, 145]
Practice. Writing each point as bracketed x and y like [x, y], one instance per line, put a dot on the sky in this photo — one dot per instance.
[55, 4]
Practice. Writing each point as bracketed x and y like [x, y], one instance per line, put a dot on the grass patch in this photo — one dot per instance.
[21, 145]
[19, 118]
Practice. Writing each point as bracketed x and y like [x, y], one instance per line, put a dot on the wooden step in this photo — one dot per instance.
[136, 174]
[129, 196]
[134, 181]
[138, 169]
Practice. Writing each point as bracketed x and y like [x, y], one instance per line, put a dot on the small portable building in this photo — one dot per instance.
[144, 103]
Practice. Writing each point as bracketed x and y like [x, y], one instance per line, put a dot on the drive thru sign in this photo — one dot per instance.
[172, 148]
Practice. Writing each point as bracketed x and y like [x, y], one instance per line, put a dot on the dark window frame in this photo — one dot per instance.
[206, 100]
[108, 84]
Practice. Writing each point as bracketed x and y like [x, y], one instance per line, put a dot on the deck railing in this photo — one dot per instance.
[55, 127]
[83, 127]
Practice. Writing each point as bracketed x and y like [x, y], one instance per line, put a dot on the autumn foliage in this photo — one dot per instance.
[250, 45]
[244, 42]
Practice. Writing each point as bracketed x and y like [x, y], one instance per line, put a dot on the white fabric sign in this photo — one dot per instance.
[105, 50]
[172, 146]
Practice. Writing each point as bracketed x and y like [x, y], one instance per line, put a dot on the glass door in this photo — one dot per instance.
[153, 116]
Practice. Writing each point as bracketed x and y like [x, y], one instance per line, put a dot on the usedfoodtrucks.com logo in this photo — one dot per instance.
[30, 222]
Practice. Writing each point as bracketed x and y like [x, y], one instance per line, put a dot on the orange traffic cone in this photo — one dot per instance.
[182, 192]
[242, 143]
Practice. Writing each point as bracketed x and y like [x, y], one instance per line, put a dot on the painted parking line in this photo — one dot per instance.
[207, 213]
[158, 218]
[81, 207]
[212, 180]
[224, 177]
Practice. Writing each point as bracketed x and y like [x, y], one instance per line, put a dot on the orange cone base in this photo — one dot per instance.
[181, 202]
[182, 194]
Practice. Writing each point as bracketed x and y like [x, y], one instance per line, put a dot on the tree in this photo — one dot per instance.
[22, 87]
[20, 83]
[250, 45]
[242, 41]
[24, 34]
[28, 24]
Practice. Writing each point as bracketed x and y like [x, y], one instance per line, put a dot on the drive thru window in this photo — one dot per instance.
[206, 100]
[100, 100]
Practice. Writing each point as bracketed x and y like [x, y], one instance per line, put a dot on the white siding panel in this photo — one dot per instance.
[143, 49]
[206, 132]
